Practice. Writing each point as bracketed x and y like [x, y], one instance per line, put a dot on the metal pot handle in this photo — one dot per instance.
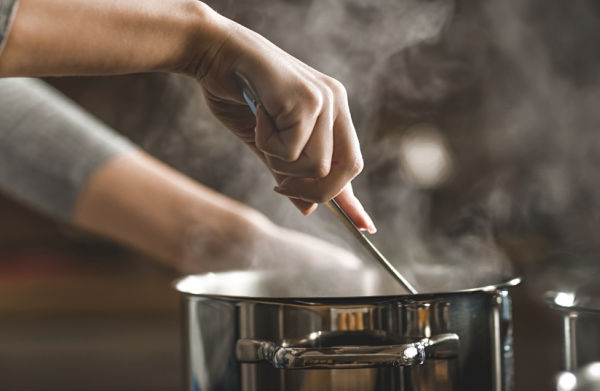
[440, 346]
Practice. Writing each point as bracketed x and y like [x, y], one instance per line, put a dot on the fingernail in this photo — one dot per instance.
[370, 225]
[370, 229]
[309, 210]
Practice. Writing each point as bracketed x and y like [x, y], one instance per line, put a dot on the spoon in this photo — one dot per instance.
[370, 247]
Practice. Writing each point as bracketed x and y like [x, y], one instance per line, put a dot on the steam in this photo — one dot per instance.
[508, 91]
[217, 248]
[403, 62]
[387, 53]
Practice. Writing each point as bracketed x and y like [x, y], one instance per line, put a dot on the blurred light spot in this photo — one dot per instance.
[314, 335]
[567, 381]
[188, 284]
[565, 299]
[593, 371]
[411, 352]
[425, 156]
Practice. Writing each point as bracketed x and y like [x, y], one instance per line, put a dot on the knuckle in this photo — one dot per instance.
[338, 89]
[291, 154]
[356, 167]
[319, 169]
[286, 149]
[313, 101]
[290, 151]
[331, 97]
[293, 146]
[287, 106]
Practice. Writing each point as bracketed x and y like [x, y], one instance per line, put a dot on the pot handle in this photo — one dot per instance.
[441, 346]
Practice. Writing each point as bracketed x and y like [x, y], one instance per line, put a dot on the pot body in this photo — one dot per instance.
[426, 342]
[581, 341]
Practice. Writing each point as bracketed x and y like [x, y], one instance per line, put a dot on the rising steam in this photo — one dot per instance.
[506, 90]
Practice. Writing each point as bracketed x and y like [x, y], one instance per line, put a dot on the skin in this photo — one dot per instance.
[309, 142]
[189, 226]
[310, 146]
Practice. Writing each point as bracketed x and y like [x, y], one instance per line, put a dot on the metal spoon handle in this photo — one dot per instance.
[348, 223]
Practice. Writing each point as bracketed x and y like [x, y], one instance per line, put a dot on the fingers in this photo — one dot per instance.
[286, 139]
[346, 164]
[304, 132]
[315, 160]
[304, 206]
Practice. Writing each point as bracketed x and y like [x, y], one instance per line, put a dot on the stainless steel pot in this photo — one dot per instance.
[253, 331]
[579, 309]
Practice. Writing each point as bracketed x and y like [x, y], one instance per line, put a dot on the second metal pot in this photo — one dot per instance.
[579, 309]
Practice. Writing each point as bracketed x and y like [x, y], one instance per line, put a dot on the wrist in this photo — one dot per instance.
[203, 32]
[103, 38]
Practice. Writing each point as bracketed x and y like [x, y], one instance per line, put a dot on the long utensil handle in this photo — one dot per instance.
[349, 224]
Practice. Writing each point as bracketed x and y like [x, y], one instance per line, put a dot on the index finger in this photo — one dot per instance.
[355, 210]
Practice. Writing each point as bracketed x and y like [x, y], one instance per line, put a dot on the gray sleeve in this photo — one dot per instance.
[49, 146]
[7, 13]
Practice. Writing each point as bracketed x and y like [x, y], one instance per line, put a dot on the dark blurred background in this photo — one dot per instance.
[478, 121]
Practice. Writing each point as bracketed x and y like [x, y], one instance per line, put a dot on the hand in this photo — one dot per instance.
[304, 133]
[310, 146]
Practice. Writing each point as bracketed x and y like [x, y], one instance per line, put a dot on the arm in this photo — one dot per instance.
[189, 226]
[87, 37]
[309, 144]
[60, 160]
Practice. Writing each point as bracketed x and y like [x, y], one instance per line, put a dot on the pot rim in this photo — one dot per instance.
[188, 286]
[571, 302]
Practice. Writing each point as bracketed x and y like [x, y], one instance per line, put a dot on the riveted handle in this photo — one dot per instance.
[442, 346]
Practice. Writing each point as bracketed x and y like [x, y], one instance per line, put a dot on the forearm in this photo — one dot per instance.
[60, 160]
[83, 37]
[141, 202]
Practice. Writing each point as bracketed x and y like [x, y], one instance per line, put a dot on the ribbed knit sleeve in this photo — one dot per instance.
[49, 147]
[7, 13]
